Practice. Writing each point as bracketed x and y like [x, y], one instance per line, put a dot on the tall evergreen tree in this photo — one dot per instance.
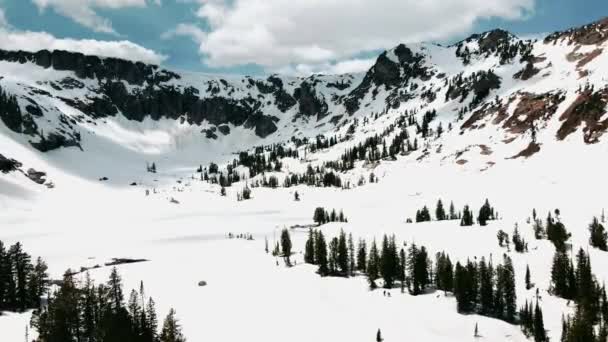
[343, 254]
[540, 334]
[467, 217]
[309, 249]
[440, 211]
[352, 264]
[486, 287]
[171, 331]
[528, 280]
[598, 236]
[509, 289]
[321, 254]
[362, 256]
[286, 246]
[373, 265]
[453, 215]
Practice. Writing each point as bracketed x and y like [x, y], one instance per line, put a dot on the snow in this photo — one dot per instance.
[83, 222]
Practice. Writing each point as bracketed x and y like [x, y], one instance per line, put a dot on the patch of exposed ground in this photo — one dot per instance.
[498, 110]
[528, 151]
[588, 108]
[485, 150]
[532, 108]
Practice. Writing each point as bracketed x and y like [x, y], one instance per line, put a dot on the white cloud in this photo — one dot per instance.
[351, 66]
[342, 67]
[3, 21]
[35, 41]
[83, 11]
[187, 30]
[276, 33]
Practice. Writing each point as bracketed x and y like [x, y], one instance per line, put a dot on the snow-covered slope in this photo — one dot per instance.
[522, 124]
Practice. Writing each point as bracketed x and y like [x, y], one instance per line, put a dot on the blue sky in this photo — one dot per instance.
[262, 36]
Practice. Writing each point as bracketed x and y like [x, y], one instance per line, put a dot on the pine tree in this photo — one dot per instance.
[351, 255]
[561, 273]
[286, 246]
[453, 215]
[418, 269]
[518, 241]
[38, 282]
[361, 256]
[115, 286]
[467, 217]
[309, 249]
[556, 231]
[135, 311]
[151, 320]
[343, 253]
[528, 281]
[423, 215]
[463, 284]
[321, 254]
[540, 334]
[373, 265]
[379, 336]
[486, 287]
[509, 289]
[486, 212]
[171, 331]
[440, 211]
[598, 236]
[319, 216]
[402, 266]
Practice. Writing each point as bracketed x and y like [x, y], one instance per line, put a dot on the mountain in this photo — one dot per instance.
[49, 95]
[103, 159]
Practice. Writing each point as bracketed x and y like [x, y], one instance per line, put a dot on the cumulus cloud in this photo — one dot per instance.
[275, 33]
[83, 11]
[341, 67]
[11, 39]
[187, 30]
[3, 21]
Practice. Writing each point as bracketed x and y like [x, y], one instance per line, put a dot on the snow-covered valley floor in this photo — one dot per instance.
[84, 222]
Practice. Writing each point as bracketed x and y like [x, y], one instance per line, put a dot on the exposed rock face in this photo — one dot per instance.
[8, 165]
[532, 111]
[36, 176]
[479, 84]
[54, 141]
[527, 72]
[92, 67]
[310, 104]
[263, 124]
[496, 42]
[589, 108]
[137, 91]
[389, 74]
[592, 34]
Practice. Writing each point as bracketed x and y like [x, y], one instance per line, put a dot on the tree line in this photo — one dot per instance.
[479, 287]
[77, 312]
[322, 216]
[486, 213]
[574, 280]
[98, 313]
[22, 282]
